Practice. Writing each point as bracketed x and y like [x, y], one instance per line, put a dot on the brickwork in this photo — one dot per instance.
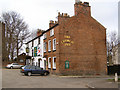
[81, 40]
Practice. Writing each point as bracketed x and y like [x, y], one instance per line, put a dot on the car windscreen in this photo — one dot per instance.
[27, 67]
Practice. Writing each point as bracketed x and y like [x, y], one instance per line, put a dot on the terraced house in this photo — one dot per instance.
[35, 52]
[75, 45]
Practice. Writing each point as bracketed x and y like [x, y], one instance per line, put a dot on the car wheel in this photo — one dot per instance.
[29, 73]
[45, 73]
[11, 67]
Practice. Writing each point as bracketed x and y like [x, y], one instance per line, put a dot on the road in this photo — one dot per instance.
[12, 78]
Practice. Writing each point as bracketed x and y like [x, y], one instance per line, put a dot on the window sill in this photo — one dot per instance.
[54, 69]
[54, 50]
[51, 35]
[49, 51]
[49, 68]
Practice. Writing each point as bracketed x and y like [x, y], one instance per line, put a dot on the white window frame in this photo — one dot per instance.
[54, 44]
[45, 35]
[49, 63]
[45, 46]
[54, 64]
[49, 45]
[52, 32]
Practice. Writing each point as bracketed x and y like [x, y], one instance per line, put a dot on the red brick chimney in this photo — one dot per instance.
[39, 32]
[62, 17]
[80, 7]
[52, 23]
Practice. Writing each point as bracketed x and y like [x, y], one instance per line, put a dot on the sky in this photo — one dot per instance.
[38, 13]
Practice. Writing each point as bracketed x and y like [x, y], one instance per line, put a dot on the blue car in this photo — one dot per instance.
[29, 70]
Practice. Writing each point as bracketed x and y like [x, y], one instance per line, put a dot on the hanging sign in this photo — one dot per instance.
[39, 51]
[35, 51]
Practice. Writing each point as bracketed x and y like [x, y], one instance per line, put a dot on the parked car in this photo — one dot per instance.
[14, 65]
[29, 70]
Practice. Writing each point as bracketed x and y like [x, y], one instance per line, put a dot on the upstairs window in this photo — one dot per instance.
[32, 43]
[45, 46]
[39, 40]
[54, 44]
[45, 35]
[49, 45]
[52, 32]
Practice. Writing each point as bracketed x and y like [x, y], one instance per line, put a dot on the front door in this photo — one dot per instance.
[45, 64]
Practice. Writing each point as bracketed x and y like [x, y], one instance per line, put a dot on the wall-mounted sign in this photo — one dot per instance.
[35, 51]
[67, 41]
[67, 64]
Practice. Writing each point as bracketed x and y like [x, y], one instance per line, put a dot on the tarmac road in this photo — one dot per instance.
[12, 78]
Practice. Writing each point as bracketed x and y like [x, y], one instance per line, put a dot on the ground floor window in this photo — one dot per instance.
[54, 62]
[49, 62]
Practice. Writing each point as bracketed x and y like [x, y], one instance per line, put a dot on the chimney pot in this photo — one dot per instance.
[51, 21]
[78, 1]
[58, 13]
[62, 14]
[65, 14]
[86, 3]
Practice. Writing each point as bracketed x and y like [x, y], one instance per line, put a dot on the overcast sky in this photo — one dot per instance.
[38, 13]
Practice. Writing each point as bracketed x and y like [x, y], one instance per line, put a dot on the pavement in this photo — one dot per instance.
[97, 81]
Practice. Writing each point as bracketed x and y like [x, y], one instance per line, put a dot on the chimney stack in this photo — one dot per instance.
[82, 8]
[52, 23]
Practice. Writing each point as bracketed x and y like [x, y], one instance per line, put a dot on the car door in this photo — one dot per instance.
[33, 69]
[38, 70]
[15, 65]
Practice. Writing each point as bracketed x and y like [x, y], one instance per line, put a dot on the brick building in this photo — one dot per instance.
[76, 45]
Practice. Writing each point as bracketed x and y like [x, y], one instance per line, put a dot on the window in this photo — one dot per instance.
[32, 43]
[49, 45]
[15, 63]
[54, 44]
[45, 36]
[38, 68]
[54, 62]
[52, 32]
[45, 46]
[21, 60]
[49, 62]
[39, 40]
[32, 52]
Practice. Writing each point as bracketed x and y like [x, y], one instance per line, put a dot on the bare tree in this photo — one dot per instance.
[15, 33]
[112, 41]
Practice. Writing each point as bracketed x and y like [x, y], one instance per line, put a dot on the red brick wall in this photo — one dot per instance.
[87, 55]
[87, 39]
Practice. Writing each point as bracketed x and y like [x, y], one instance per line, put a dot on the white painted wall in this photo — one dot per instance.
[40, 46]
